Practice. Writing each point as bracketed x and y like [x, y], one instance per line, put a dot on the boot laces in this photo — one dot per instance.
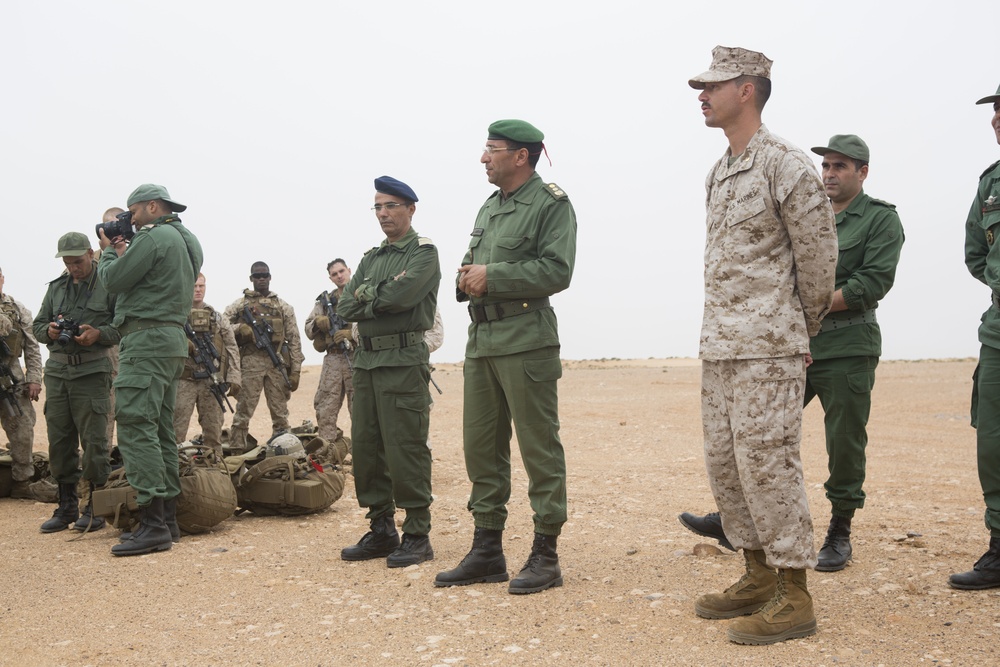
[777, 600]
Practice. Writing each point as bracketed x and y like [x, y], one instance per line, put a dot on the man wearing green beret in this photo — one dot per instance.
[521, 252]
[392, 296]
[847, 348]
[982, 256]
[153, 277]
[74, 320]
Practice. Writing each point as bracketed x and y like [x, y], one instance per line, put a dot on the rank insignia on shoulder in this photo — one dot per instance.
[989, 237]
[423, 240]
[881, 202]
[555, 191]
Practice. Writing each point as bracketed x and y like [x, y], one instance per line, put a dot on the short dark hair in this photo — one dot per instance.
[336, 261]
[858, 164]
[255, 264]
[761, 87]
[534, 150]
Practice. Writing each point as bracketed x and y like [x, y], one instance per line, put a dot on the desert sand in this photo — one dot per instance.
[273, 590]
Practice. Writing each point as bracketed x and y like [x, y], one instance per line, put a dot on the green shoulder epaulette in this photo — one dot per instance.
[556, 191]
[370, 250]
[879, 202]
[989, 169]
[423, 240]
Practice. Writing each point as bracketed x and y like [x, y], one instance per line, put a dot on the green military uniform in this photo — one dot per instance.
[154, 281]
[982, 256]
[846, 351]
[78, 379]
[390, 417]
[528, 244]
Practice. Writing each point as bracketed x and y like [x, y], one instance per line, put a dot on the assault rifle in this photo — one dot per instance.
[336, 324]
[262, 332]
[206, 355]
[9, 384]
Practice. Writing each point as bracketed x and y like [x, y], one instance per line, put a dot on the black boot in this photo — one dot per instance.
[67, 512]
[152, 534]
[984, 574]
[836, 549]
[170, 517]
[485, 563]
[709, 525]
[88, 523]
[414, 549]
[378, 542]
[542, 569]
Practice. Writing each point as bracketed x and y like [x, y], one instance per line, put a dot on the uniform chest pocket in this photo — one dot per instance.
[739, 213]
[510, 247]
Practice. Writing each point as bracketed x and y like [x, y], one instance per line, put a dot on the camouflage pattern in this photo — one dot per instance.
[770, 253]
[191, 392]
[434, 337]
[257, 371]
[729, 62]
[752, 419]
[335, 381]
[20, 429]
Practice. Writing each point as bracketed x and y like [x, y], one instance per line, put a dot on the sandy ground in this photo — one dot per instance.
[272, 590]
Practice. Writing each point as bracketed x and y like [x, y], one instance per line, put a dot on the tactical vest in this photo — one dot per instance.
[203, 320]
[269, 309]
[15, 339]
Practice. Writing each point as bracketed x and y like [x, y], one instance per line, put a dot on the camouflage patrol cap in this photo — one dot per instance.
[729, 62]
[850, 145]
[512, 129]
[989, 99]
[73, 244]
[149, 192]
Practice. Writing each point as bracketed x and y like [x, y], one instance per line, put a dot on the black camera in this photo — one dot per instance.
[68, 328]
[120, 226]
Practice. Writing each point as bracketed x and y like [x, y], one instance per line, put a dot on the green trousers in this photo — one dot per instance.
[519, 387]
[392, 463]
[144, 411]
[986, 420]
[76, 415]
[844, 388]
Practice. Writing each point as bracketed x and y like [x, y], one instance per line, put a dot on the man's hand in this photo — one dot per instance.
[809, 360]
[293, 379]
[118, 242]
[234, 390]
[34, 389]
[53, 331]
[322, 324]
[342, 336]
[472, 279]
[88, 335]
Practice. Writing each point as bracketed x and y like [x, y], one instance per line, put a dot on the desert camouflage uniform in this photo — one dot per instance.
[20, 429]
[770, 263]
[257, 370]
[335, 381]
[191, 392]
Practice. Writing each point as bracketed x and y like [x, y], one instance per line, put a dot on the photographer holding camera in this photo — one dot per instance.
[17, 389]
[74, 320]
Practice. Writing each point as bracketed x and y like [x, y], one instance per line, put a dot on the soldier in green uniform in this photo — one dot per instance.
[154, 280]
[845, 353]
[983, 259]
[74, 320]
[392, 296]
[522, 251]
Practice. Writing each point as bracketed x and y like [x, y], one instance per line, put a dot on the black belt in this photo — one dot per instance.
[132, 326]
[391, 341]
[829, 324]
[80, 357]
[492, 312]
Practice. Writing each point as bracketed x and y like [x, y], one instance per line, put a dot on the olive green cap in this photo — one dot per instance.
[149, 192]
[729, 62]
[990, 98]
[520, 131]
[73, 244]
[850, 145]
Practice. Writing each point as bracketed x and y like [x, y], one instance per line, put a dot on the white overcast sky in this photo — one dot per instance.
[271, 119]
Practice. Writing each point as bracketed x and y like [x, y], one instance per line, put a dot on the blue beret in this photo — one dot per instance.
[388, 185]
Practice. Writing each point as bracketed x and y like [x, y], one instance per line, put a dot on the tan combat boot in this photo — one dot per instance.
[788, 615]
[750, 593]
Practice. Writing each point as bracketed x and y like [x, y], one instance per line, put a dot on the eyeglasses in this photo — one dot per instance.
[259, 276]
[493, 149]
[391, 206]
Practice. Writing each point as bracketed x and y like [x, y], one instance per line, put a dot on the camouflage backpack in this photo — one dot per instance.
[207, 495]
[116, 501]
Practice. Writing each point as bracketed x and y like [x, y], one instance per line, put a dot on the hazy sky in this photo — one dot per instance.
[271, 120]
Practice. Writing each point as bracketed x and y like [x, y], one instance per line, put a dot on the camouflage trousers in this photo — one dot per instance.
[334, 384]
[20, 430]
[752, 420]
[191, 393]
[275, 393]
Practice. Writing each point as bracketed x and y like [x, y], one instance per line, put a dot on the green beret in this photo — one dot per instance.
[520, 131]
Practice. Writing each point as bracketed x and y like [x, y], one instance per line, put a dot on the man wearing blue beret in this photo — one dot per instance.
[392, 296]
[522, 251]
